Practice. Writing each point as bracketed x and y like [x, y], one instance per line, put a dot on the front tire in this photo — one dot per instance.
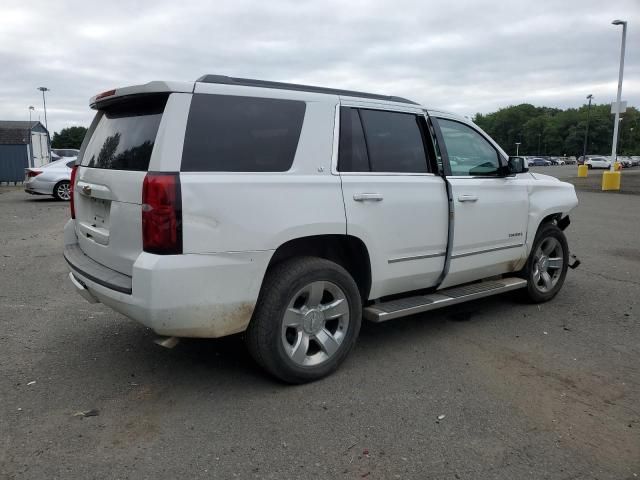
[306, 321]
[62, 191]
[547, 264]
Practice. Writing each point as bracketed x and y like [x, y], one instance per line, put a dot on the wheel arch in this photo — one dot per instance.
[348, 251]
[57, 184]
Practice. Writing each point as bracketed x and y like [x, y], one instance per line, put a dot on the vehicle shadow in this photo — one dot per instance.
[202, 364]
[44, 199]
[417, 329]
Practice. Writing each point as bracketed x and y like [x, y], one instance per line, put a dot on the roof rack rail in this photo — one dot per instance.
[248, 82]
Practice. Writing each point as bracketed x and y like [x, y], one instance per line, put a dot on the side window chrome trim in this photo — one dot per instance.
[336, 141]
[389, 174]
[476, 177]
[415, 109]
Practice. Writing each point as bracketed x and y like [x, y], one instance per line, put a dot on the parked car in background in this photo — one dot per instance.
[570, 160]
[598, 162]
[51, 179]
[625, 162]
[556, 161]
[66, 152]
[539, 162]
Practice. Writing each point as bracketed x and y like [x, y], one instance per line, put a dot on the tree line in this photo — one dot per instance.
[70, 137]
[557, 132]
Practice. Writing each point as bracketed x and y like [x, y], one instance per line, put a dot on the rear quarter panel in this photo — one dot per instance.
[227, 211]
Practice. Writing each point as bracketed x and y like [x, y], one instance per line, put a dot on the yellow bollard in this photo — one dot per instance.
[611, 180]
[582, 170]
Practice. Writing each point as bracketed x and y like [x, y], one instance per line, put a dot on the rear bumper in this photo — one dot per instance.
[38, 187]
[189, 295]
[84, 266]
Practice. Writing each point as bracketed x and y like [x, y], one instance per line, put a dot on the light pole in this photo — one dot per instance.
[617, 118]
[44, 104]
[586, 132]
[539, 137]
[31, 109]
[517, 148]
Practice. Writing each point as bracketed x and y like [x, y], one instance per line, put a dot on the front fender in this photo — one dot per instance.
[547, 196]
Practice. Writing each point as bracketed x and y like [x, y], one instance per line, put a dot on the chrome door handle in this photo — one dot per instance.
[363, 197]
[467, 198]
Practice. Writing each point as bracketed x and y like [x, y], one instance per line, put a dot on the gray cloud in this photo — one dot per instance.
[463, 55]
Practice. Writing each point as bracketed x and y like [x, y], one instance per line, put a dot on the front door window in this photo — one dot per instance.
[470, 154]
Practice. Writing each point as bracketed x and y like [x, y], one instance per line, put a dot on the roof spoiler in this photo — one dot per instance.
[109, 96]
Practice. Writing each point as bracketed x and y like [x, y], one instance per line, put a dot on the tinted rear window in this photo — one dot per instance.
[352, 152]
[124, 136]
[394, 141]
[241, 134]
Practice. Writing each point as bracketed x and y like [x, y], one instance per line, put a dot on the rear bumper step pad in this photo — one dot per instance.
[96, 272]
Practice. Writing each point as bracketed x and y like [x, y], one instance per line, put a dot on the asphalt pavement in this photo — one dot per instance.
[629, 182]
[493, 389]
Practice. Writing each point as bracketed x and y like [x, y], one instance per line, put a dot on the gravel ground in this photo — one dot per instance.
[526, 391]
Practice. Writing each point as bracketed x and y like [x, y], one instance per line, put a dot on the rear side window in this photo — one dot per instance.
[352, 152]
[125, 133]
[381, 141]
[394, 141]
[228, 133]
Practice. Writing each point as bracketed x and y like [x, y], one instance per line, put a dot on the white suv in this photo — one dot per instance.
[292, 212]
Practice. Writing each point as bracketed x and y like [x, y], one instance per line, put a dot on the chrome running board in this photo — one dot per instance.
[381, 312]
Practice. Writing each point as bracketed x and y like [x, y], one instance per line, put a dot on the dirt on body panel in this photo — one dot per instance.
[222, 321]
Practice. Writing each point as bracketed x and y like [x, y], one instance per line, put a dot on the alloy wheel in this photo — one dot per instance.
[64, 191]
[315, 323]
[547, 264]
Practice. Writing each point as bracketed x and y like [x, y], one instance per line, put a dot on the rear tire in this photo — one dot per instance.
[62, 191]
[547, 265]
[306, 321]
[589, 167]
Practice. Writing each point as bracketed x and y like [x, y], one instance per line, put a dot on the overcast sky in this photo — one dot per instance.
[460, 55]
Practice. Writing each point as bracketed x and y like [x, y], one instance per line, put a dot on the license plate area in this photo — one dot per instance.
[98, 211]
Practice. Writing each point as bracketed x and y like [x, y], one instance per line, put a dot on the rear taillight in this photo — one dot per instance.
[72, 203]
[33, 173]
[162, 214]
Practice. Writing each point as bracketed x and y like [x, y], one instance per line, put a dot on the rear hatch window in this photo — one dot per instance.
[108, 189]
[125, 133]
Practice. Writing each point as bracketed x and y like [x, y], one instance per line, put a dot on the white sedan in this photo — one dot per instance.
[598, 162]
[51, 179]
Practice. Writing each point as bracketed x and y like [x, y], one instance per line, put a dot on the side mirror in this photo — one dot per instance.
[517, 165]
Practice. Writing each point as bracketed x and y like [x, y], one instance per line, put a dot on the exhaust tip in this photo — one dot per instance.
[166, 342]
